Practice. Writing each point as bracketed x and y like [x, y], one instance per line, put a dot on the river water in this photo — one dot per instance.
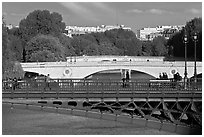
[116, 74]
[28, 122]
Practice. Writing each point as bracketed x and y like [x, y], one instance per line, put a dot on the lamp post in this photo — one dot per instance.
[185, 72]
[195, 38]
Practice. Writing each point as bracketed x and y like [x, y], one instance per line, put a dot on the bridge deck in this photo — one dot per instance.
[101, 89]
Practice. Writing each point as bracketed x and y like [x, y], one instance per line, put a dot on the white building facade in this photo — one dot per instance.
[151, 33]
[80, 30]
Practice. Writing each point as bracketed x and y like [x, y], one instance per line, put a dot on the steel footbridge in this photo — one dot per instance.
[163, 105]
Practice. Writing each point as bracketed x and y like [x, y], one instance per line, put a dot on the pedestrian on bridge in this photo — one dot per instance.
[127, 78]
[47, 82]
[160, 76]
[123, 78]
[15, 83]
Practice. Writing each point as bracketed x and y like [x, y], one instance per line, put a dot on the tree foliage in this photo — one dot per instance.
[13, 69]
[66, 43]
[91, 50]
[194, 25]
[159, 46]
[147, 48]
[48, 47]
[5, 50]
[10, 66]
[41, 22]
[109, 49]
[112, 42]
[176, 43]
[15, 48]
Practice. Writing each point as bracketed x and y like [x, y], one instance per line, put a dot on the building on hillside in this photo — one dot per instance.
[76, 30]
[144, 33]
[151, 36]
[151, 33]
[10, 26]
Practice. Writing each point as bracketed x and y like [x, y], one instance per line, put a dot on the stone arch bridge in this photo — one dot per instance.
[83, 66]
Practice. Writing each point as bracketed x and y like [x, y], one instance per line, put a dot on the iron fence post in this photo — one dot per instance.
[72, 88]
[132, 84]
[12, 90]
[102, 89]
[117, 90]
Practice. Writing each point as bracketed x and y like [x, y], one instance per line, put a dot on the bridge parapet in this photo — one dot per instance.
[114, 58]
[109, 63]
[81, 67]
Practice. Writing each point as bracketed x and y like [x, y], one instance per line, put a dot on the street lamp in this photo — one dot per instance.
[195, 38]
[185, 72]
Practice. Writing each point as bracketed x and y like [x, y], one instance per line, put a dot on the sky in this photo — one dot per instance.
[136, 15]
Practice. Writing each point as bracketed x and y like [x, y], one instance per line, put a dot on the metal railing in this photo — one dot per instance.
[101, 85]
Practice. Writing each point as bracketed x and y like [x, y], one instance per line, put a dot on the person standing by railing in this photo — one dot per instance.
[123, 78]
[177, 78]
[15, 83]
[160, 76]
[127, 78]
[47, 82]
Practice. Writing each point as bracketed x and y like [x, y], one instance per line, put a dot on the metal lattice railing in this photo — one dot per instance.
[105, 85]
[89, 88]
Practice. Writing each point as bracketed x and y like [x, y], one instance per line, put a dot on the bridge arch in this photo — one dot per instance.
[199, 76]
[117, 74]
[29, 74]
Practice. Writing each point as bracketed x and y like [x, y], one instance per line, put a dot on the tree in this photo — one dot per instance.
[66, 42]
[91, 50]
[125, 34]
[15, 48]
[134, 47]
[10, 67]
[41, 22]
[15, 32]
[116, 34]
[111, 35]
[5, 50]
[159, 46]
[147, 48]
[122, 44]
[176, 42]
[13, 69]
[100, 38]
[130, 47]
[43, 56]
[80, 45]
[45, 48]
[91, 37]
[125, 41]
[194, 25]
[109, 49]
